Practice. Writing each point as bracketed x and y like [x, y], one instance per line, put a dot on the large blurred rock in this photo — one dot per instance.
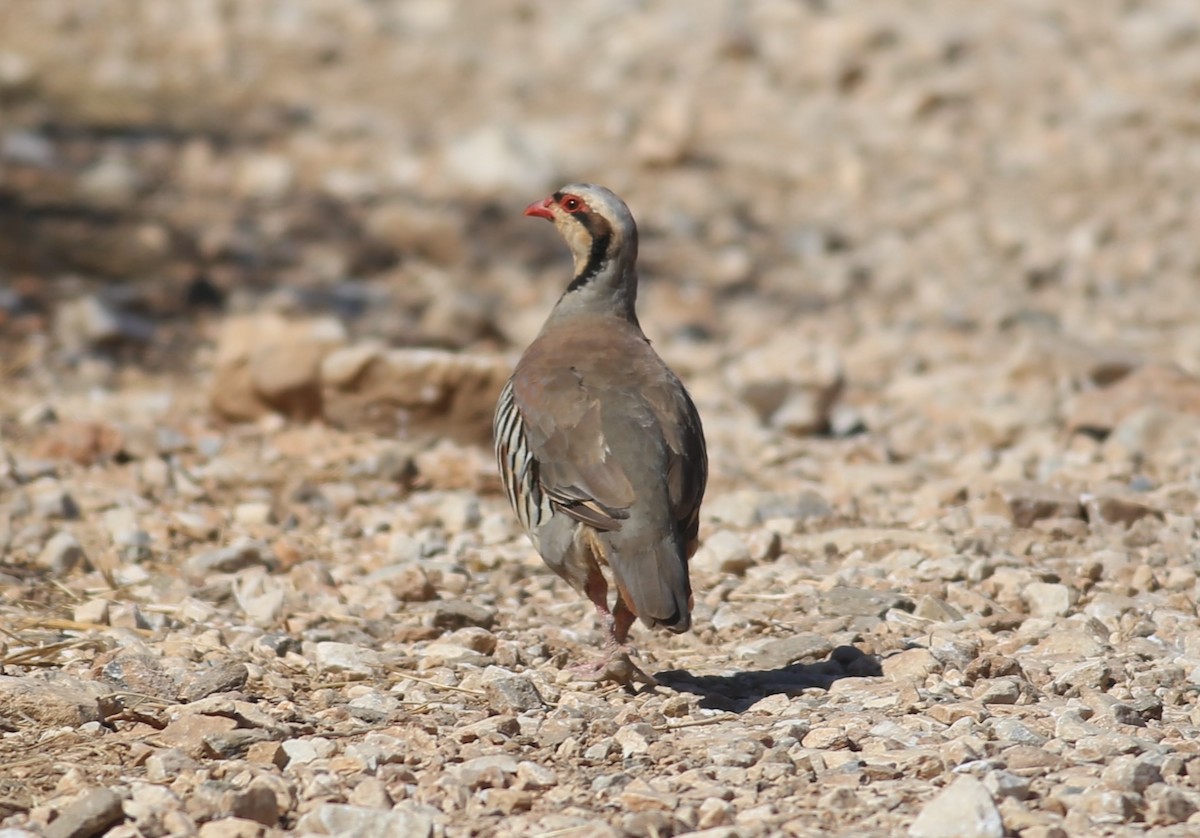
[413, 392]
[1161, 386]
[1025, 502]
[304, 370]
[91, 322]
[264, 176]
[431, 233]
[789, 383]
[666, 136]
[62, 702]
[82, 442]
[1155, 437]
[497, 159]
[267, 363]
[1054, 355]
[453, 321]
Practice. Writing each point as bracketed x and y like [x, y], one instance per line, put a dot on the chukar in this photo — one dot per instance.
[600, 447]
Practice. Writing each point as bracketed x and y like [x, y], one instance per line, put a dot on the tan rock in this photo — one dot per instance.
[233, 396]
[91, 814]
[428, 233]
[666, 135]
[789, 384]
[455, 321]
[1025, 502]
[1048, 599]
[910, 664]
[639, 796]
[964, 809]
[188, 733]
[413, 392]
[267, 363]
[948, 714]
[82, 442]
[1160, 439]
[267, 753]
[287, 376]
[1029, 760]
[1117, 508]
[826, 738]
[232, 828]
[50, 704]
[1060, 355]
[1162, 386]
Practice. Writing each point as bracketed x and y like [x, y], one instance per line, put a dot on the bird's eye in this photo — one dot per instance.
[571, 203]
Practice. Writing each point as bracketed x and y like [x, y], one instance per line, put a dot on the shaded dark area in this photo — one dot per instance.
[736, 693]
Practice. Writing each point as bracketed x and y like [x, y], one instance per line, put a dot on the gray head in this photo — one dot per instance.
[599, 229]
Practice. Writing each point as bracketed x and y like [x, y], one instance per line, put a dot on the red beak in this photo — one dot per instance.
[541, 209]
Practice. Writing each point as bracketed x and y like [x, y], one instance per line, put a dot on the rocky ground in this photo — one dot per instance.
[929, 269]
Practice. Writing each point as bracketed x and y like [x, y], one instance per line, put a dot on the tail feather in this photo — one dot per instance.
[652, 578]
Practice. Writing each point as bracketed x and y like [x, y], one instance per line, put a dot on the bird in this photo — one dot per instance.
[600, 447]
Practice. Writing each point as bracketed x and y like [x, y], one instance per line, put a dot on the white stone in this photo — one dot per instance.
[61, 553]
[1048, 599]
[253, 513]
[346, 658]
[340, 819]
[964, 809]
[723, 552]
[498, 158]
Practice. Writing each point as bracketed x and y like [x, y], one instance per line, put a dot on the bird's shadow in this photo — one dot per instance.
[738, 691]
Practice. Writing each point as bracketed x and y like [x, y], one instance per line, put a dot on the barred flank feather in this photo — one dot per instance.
[518, 468]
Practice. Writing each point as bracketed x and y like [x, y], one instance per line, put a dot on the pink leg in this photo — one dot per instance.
[622, 621]
[597, 591]
[616, 664]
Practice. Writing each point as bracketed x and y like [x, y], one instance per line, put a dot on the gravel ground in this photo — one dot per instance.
[928, 268]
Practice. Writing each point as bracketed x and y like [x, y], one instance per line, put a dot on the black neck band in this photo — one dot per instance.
[597, 259]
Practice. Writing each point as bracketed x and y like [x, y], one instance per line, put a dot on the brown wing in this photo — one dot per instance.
[566, 437]
[687, 461]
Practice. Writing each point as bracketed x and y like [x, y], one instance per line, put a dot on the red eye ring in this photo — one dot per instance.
[571, 204]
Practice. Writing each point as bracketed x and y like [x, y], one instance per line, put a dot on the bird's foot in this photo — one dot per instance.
[616, 665]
